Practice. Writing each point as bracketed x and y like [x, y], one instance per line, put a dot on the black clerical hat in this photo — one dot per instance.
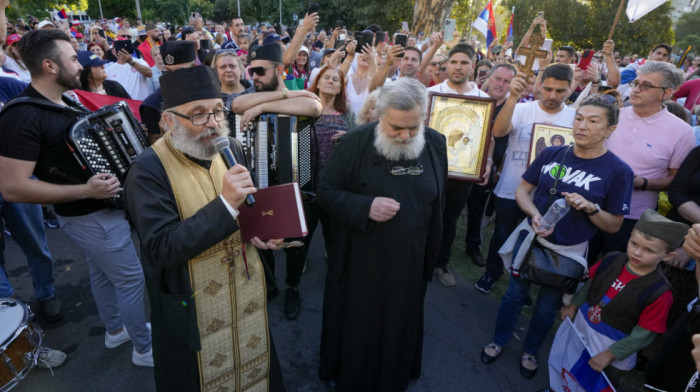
[189, 84]
[271, 52]
[177, 52]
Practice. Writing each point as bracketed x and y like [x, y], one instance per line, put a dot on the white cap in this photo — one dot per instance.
[45, 23]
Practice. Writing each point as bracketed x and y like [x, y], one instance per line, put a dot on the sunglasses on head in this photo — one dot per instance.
[260, 71]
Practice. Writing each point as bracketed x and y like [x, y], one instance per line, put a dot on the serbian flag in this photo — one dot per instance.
[486, 23]
[510, 25]
[60, 15]
[568, 364]
[94, 101]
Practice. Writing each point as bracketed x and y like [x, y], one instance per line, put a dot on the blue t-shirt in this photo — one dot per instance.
[605, 180]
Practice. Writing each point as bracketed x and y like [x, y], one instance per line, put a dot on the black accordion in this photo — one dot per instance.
[278, 149]
[107, 141]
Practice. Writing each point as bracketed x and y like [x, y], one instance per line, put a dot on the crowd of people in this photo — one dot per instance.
[380, 190]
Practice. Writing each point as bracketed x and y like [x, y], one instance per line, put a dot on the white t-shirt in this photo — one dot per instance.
[445, 88]
[524, 116]
[133, 82]
[355, 100]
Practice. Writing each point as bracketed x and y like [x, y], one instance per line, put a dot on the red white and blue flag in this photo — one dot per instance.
[568, 364]
[486, 23]
[60, 15]
[510, 25]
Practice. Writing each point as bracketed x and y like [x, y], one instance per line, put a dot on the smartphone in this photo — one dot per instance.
[547, 45]
[450, 25]
[540, 14]
[102, 33]
[586, 58]
[404, 26]
[482, 73]
[339, 43]
[311, 8]
[365, 38]
[339, 23]
[124, 44]
[379, 37]
[205, 44]
[401, 39]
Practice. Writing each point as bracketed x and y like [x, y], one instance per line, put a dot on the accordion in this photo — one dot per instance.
[107, 141]
[278, 149]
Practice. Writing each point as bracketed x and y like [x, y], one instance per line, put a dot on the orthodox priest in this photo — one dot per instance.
[206, 287]
[383, 187]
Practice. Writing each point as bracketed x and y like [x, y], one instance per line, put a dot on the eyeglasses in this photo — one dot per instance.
[125, 36]
[201, 119]
[260, 71]
[411, 170]
[644, 86]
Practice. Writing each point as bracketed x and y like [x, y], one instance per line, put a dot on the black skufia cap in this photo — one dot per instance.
[177, 52]
[189, 84]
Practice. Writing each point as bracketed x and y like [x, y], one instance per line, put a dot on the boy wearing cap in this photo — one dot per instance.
[626, 302]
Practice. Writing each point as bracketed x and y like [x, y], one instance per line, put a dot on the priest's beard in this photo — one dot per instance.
[200, 147]
[395, 149]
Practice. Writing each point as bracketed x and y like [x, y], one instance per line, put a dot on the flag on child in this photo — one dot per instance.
[568, 364]
[486, 23]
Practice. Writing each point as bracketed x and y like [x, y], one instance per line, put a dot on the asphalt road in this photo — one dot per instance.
[458, 323]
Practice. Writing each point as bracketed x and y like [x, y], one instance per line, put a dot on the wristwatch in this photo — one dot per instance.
[597, 210]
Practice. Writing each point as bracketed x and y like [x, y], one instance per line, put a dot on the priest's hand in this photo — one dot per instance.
[102, 186]
[275, 244]
[601, 361]
[383, 209]
[237, 185]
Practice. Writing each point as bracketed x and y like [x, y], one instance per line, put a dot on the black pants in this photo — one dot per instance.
[456, 195]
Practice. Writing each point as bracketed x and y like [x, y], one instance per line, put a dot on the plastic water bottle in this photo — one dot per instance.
[554, 214]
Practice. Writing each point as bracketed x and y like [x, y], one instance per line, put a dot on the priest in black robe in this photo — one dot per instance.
[383, 187]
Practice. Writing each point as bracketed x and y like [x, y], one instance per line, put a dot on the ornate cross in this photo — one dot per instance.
[531, 53]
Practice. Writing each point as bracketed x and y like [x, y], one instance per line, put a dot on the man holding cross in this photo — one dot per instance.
[517, 121]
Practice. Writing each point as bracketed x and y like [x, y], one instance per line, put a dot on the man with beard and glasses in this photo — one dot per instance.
[271, 96]
[206, 287]
[33, 135]
[516, 121]
[175, 55]
[383, 187]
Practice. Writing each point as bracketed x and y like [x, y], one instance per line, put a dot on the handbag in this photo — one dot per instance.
[544, 266]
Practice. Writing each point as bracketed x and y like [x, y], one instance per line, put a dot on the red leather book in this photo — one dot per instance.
[277, 213]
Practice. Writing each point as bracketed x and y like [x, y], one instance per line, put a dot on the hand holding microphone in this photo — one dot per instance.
[239, 179]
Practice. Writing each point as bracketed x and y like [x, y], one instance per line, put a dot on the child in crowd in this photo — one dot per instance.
[627, 300]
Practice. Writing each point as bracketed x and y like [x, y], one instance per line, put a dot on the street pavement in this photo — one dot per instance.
[458, 323]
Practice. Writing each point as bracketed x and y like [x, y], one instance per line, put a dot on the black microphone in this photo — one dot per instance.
[223, 145]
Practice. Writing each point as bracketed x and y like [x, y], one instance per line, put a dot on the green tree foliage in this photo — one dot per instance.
[38, 8]
[687, 27]
[586, 24]
[113, 8]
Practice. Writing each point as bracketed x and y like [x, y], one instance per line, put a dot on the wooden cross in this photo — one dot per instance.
[531, 53]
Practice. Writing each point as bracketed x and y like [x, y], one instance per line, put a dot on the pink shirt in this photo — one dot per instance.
[651, 146]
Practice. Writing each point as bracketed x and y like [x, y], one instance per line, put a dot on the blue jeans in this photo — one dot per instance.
[116, 277]
[26, 223]
[508, 217]
[546, 307]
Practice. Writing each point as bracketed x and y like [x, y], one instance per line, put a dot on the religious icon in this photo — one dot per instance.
[546, 135]
[466, 124]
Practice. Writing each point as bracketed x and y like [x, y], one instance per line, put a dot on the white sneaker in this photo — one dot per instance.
[49, 358]
[142, 359]
[112, 341]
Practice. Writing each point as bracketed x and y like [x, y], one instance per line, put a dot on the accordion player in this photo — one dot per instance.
[278, 149]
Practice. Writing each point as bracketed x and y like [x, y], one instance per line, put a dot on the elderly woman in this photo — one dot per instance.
[368, 112]
[93, 77]
[598, 199]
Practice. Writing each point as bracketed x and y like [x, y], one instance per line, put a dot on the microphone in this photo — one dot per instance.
[223, 145]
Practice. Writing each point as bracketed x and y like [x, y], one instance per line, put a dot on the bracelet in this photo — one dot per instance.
[644, 185]
[489, 160]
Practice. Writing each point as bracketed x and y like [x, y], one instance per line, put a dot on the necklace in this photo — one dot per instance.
[100, 90]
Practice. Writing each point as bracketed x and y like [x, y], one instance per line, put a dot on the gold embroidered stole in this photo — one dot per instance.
[231, 313]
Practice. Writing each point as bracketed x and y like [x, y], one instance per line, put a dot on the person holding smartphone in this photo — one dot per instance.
[129, 70]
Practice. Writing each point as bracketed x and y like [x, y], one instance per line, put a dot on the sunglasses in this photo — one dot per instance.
[125, 36]
[260, 71]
